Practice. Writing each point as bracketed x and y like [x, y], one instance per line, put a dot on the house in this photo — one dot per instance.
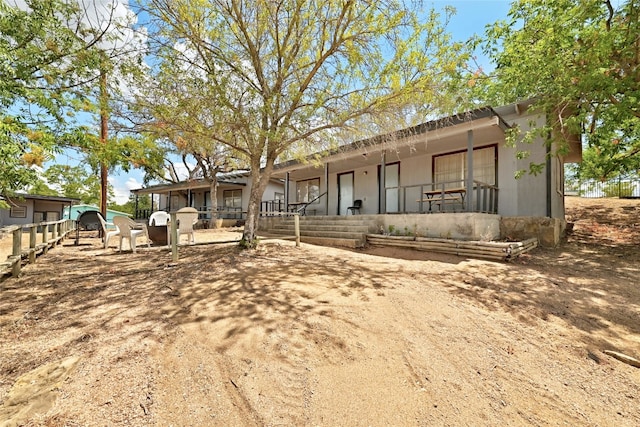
[232, 196]
[459, 167]
[31, 208]
[73, 212]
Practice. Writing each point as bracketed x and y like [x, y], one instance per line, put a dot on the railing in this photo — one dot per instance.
[301, 208]
[485, 197]
[414, 199]
[448, 196]
[623, 188]
[52, 232]
[223, 212]
[271, 207]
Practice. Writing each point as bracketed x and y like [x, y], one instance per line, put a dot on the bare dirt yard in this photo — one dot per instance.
[328, 337]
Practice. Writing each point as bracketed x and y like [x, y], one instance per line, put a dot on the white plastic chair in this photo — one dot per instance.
[159, 218]
[186, 218]
[129, 229]
[106, 233]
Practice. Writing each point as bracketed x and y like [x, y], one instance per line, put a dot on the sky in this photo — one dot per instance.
[471, 18]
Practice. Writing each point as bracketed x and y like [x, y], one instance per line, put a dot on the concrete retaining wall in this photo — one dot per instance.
[549, 231]
[459, 226]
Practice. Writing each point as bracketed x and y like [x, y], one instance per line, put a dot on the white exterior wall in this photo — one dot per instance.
[7, 219]
[527, 196]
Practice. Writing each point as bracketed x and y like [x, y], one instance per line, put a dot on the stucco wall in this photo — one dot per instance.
[463, 226]
[528, 194]
[549, 231]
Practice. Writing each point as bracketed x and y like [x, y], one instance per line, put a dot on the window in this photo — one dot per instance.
[452, 168]
[18, 212]
[232, 198]
[308, 190]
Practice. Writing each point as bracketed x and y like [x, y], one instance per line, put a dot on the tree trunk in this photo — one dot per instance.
[213, 198]
[259, 180]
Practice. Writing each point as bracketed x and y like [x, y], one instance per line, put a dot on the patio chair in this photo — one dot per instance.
[159, 218]
[357, 204]
[186, 219]
[109, 230]
[129, 229]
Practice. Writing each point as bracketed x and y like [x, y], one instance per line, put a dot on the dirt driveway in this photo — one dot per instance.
[328, 337]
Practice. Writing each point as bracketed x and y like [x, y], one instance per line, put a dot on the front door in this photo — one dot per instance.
[345, 192]
[392, 187]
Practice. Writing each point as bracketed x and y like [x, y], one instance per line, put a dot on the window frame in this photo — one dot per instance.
[464, 163]
[18, 211]
[308, 195]
[225, 197]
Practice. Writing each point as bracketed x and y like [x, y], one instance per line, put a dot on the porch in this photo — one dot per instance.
[351, 231]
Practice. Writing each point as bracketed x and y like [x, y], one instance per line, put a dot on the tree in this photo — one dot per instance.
[581, 60]
[46, 57]
[76, 182]
[162, 118]
[52, 52]
[275, 74]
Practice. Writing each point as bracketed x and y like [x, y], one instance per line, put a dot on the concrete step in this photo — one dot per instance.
[331, 241]
[320, 241]
[322, 233]
[355, 219]
[327, 227]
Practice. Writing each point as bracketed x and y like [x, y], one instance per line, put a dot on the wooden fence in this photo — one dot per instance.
[51, 234]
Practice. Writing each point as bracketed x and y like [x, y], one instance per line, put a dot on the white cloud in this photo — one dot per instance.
[122, 189]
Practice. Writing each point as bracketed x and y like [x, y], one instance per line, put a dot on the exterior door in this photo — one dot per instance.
[392, 187]
[345, 192]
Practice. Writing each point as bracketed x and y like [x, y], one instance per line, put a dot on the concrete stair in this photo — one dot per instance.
[343, 231]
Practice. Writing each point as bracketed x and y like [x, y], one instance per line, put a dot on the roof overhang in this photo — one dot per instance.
[435, 136]
[19, 196]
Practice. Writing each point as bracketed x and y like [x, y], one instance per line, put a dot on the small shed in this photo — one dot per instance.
[75, 211]
[32, 208]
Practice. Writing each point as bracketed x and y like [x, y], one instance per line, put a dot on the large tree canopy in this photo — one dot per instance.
[51, 55]
[581, 59]
[263, 76]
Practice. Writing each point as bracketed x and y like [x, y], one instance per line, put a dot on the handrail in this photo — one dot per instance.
[302, 210]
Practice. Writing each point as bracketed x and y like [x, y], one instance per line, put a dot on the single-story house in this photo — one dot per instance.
[73, 212]
[31, 208]
[458, 166]
[232, 196]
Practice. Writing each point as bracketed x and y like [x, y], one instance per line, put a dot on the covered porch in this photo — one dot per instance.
[443, 166]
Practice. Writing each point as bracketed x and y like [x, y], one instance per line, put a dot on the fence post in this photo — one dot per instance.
[32, 244]
[174, 237]
[54, 234]
[17, 252]
[45, 237]
[296, 226]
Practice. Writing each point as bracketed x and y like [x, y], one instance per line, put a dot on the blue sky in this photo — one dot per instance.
[471, 18]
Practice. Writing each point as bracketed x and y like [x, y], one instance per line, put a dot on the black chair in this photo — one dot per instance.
[357, 204]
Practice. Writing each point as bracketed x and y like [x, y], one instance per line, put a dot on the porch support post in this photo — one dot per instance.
[469, 184]
[326, 188]
[383, 190]
[136, 215]
[286, 192]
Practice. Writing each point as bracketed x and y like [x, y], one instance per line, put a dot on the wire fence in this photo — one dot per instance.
[623, 188]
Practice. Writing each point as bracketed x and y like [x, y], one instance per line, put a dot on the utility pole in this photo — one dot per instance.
[104, 115]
